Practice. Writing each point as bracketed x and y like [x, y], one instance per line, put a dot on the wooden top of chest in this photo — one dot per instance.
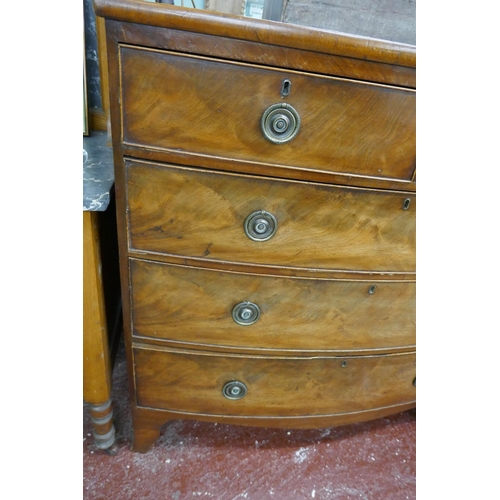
[260, 31]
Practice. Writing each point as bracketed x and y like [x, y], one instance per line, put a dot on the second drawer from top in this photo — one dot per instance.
[237, 218]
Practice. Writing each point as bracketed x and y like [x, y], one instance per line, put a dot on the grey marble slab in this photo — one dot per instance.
[98, 174]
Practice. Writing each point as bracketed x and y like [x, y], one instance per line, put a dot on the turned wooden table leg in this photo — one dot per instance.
[96, 358]
[102, 420]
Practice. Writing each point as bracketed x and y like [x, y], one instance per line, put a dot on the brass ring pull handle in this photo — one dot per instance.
[260, 225]
[234, 390]
[280, 123]
[246, 313]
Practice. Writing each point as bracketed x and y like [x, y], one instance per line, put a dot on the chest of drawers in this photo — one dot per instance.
[265, 183]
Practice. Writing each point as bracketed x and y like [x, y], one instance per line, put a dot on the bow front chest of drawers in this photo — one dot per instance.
[265, 183]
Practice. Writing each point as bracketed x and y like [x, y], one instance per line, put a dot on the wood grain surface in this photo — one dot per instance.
[189, 87]
[185, 381]
[96, 358]
[193, 306]
[212, 107]
[261, 53]
[199, 213]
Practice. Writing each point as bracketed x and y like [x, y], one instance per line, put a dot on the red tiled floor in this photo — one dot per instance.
[191, 460]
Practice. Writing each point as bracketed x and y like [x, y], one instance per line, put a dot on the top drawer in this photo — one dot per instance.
[212, 107]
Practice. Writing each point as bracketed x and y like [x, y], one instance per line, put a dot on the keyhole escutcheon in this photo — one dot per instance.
[286, 88]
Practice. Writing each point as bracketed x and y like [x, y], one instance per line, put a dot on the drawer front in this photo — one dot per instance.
[201, 214]
[188, 382]
[211, 107]
[196, 306]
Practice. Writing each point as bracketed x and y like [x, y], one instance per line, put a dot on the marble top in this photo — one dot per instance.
[98, 174]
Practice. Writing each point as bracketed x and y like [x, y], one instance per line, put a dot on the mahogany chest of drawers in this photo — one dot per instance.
[265, 183]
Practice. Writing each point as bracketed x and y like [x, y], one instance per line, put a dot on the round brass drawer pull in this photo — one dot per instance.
[234, 390]
[260, 225]
[246, 313]
[280, 123]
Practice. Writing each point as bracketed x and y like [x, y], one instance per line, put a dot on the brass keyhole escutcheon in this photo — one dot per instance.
[286, 88]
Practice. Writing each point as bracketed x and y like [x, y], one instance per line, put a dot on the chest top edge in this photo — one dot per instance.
[257, 30]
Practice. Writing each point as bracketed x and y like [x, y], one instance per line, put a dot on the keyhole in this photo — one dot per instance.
[286, 88]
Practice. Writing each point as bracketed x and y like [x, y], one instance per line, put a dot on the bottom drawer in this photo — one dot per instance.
[271, 386]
